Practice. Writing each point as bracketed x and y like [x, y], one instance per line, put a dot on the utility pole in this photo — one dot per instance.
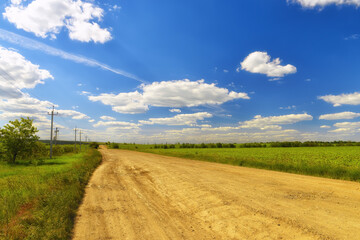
[80, 140]
[51, 132]
[56, 134]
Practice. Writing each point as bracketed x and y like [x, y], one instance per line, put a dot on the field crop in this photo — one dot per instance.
[40, 201]
[331, 162]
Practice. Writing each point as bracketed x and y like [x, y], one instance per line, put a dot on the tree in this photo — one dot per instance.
[18, 137]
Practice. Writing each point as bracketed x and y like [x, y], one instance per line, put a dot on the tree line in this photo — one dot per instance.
[241, 145]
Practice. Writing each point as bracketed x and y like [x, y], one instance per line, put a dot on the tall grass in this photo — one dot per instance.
[40, 201]
[331, 162]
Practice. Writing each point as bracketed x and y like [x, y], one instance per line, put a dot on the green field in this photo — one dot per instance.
[332, 162]
[40, 201]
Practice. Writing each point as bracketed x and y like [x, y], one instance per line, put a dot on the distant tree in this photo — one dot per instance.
[18, 137]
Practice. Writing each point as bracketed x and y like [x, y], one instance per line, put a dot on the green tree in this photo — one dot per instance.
[18, 137]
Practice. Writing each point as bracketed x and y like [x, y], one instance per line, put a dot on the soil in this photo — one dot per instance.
[135, 195]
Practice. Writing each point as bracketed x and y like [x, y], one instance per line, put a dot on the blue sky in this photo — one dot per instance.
[183, 71]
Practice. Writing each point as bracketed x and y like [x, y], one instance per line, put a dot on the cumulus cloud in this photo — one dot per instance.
[178, 120]
[325, 126]
[260, 62]
[18, 73]
[337, 116]
[338, 100]
[73, 114]
[117, 124]
[107, 118]
[175, 110]
[323, 3]
[46, 18]
[130, 103]
[32, 107]
[177, 93]
[273, 122]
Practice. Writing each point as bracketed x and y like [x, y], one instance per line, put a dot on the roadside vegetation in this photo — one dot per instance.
[339, 160]
[40, 196]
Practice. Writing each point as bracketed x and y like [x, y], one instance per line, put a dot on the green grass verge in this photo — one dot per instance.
[331, 162]
[40, 202]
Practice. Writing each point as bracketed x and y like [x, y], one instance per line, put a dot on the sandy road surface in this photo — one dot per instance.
[136, 195]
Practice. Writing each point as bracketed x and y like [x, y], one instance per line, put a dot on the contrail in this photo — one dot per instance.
[35, 45]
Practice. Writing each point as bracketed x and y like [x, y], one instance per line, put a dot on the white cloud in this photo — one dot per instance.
[260, 62]
[349, 125]
[35, 45]
[107, 118]
[177, 93]
[175, 110]
[73, 114]
[341, 130]
[117, 124]
[337, 116]
[273, 122]
[219, 129]
[338, 100]
[91, 120]
[325, 126]
[18, 73]
[85, 93]
[8, 91]
[131, 103]
[323, 3]
[178, 120]
[47, 17]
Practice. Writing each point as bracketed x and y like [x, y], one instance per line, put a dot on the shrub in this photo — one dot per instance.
[94, 145]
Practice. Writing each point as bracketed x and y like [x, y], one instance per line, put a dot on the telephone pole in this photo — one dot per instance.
[56, 134]
[75, 138]
[51, 132]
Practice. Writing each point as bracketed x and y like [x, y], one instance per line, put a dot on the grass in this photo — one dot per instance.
[40, 202]
[331, 162]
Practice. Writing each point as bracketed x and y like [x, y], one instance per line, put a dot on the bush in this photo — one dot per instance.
[68, 148]
[58, 150]
[95, 145]
[114, 145]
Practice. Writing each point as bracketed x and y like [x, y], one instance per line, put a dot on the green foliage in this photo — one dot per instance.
[40, 202]
[2, 151]
[18, 138]
[114, 145]
[94, 145]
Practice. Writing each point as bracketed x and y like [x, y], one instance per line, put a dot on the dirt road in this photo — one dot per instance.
[136, 195]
